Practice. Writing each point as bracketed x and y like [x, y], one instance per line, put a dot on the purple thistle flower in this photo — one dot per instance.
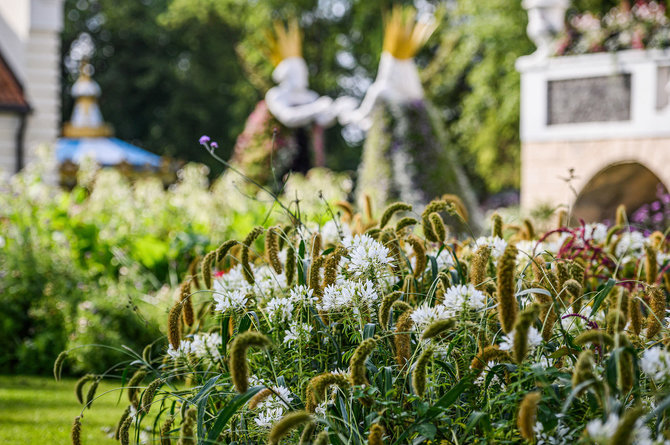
[204, 139]
[214, 145]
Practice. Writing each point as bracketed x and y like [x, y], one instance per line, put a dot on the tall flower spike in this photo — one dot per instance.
[521, 329]
[376, 435]
[91, 393]
[122, 419]
[419, 253]
[290, 265]
[621, 218]
[385, 308]
[650, 264]
[357, 362]
[286, 424]
[58, 365]
[315, 275]
[316, 245]
[206, 268]
[478, 266]
[79, 387]
[165, 431]
[185, 299]
[259, 398]
[496, 225]
[626, 428]
[459, 206]
[436, 328]
[124, 431]
[187, 434]
[419, 372]
[402, 338]
[223, 249]
[635, 313]
[318, 386]
[272, 249]
[594, 336]
[75, 433]
[332, 266]
[239, 370]
[616, 321]
[436, 205]
[438, 227]
[657, 314]
[528, 229]
[527, 415]
[174, 327]
[246, 244]
[391, 210]
[404, 223]
[149, 394]
[507, 304]
[583, 368]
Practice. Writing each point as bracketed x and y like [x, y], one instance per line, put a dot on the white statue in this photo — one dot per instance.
[546, 19]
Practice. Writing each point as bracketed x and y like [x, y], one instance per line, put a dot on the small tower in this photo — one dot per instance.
[86, 121]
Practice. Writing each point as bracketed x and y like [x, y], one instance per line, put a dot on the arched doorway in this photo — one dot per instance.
[628, 183]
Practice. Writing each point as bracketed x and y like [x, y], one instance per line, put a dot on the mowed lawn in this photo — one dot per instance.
[39, 410]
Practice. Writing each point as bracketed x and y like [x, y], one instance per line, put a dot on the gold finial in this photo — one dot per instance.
[403, 35]
[86, 120]
[285, 42]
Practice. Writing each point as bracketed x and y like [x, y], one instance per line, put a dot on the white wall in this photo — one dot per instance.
[9, 124]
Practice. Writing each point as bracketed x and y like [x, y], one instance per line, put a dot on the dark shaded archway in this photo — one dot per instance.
[628, 183]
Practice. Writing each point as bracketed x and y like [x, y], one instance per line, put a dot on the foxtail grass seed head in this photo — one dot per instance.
[165, 431]
[385, 308]
[122, 419]
[480, 260]
[434, 206]
[436, 328]
[223, 250]
[149, 394]
[290, 265]
[206, 268]
[187, 434]
[626, 428]
[635, 313]
[621, 218]
[650, 264]
[574, 289]
[133, 384]
[75, 433]
[528, 415]
[577, 272]
[401, 306]
[322, 438]
[357, 361]
[91, 393]
[187, 305]
[657, 313]
[259, 398]
[332, 266]
[316, 245]
[562, 273]
[625, 366]
[347, 209]
[192, 271]
[595, 336]
[374, 233]
[124, 431]
[318, 386]
[419, 253]
[489, 354]
[58, 365]
[528, 229]
[507, 304]
[402, 339]
[307, 433]
[615, 321]
[391, 210]
[174, 326]
[521, 329]
[272, 249]
[246, 245]
[239, 370]
[79, 387]
[496, 225]
[287, 423]
[403, 223]
[376, 435]
[315, 275]
[583, 368]
[438, 227]
[561, 218]
[419, 372]
[458, 204]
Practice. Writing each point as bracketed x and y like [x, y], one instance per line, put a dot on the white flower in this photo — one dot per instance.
[497, 245]
[207, 345]
[235, 299]
[183, 350]
[463, 298]
[267, 282]
[302, 295]
[273, 408]
[280, 308]
[297, 332]
[630, 243]
[655, 362]
[269, 417]
[603, 432]
[596, 232]
[333, 233]
[425, 315]
[348, 294]
[367, 257]
[534, 340]
[445, 261]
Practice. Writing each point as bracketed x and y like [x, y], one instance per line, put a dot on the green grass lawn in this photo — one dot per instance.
[39, 410]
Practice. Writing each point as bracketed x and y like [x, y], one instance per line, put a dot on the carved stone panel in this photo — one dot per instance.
[590, 99]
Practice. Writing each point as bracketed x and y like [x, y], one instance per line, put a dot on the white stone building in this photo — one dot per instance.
[29, 78]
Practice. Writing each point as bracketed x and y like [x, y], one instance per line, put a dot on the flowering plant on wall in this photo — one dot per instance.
[642, 26]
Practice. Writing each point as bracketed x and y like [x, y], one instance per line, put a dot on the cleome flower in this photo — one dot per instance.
[425, 315]
[497, 245]
[655, 362]
[202, 346]
[462, 298]
[347, 294]
[367, 258]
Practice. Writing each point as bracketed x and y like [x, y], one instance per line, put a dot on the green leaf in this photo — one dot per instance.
[369, 330]
[603, 291]
[226, 413]
[449, 398]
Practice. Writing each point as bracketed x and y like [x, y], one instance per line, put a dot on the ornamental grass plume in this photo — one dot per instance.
[286, 424]
[239, 370]
[547, 315]
[348, 215]
[122, 419]
[187, 433]
[620, 299]
[124, 431]
[650, 264]
[149, 394]
[165, 431]
[420, 254]
[316, 245]
[403, 223]
[595, 336]
[574, 289]
[437, 328]
[272, 249]
[438, 227]
[223, 250]
[307, 433]
[626, 428]
[577, 271]
[391, 210]
[459, 206]
[435, 206]
[192, 271]
[657, 313]
[389, 240]
[185, 301]
[496, 225]
[90, 395]
[419, 372]
[79, 387]
[635, 313]
[528, 415]
[621, 218]
[315, 275]
[489, 354]
[58, 365]
[528, 229]
[507, 304]
[583, 368]
[615, 321]
[290, 265]
[133, 385]
[376, 435]
[402, 340]
[322, 438]
[625, 365]
[332, 265]
[317, 387]
[206, 268]
[357, 361]
[75, 432]
[374, 233]
[385, 308]
[480, 261]
[259, 398]
[246, 244]
[521, 329]
[174, 326]
[562, 273]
